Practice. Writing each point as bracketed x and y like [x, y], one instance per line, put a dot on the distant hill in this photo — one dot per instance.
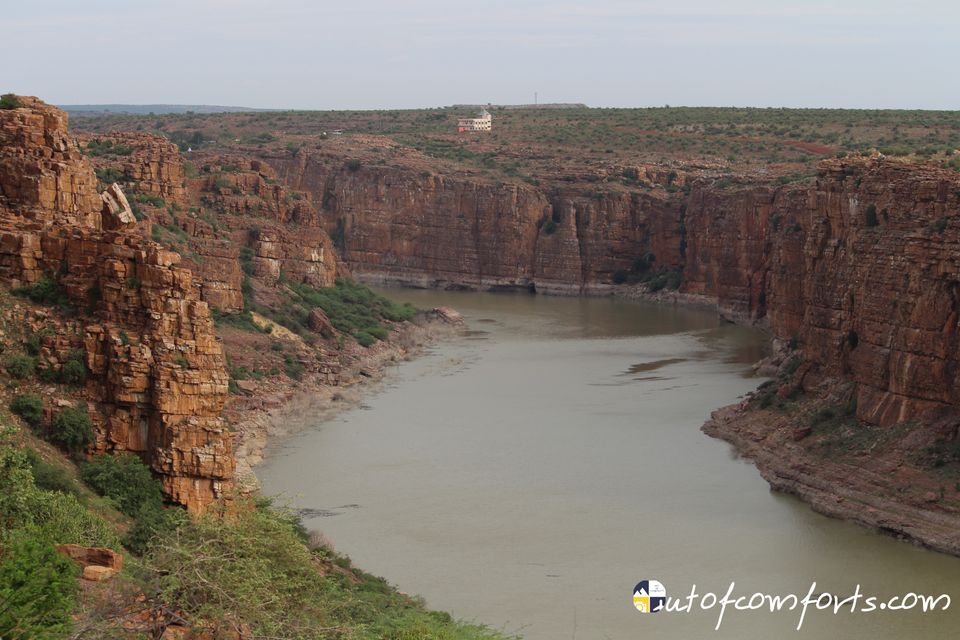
[144, 109]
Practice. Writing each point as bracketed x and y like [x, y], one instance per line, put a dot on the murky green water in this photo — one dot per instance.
[529, 474]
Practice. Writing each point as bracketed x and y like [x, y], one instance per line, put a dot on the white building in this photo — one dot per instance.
[482, 122]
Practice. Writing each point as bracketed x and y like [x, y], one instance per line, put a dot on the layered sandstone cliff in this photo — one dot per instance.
[157, 381]
[399, 224]
[859, 269]
[872, 301]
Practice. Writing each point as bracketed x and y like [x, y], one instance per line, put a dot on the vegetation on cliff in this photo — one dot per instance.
[253, 570]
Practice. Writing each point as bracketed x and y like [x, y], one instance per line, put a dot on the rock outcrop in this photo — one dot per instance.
[151, 162]
[97, 563]
[157, 379]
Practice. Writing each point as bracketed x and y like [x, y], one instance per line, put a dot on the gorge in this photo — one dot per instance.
[192, 283]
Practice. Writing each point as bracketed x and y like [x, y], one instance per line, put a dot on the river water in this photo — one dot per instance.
[529, 473]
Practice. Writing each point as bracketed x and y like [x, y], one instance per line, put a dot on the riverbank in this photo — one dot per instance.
[273, 410]
[854, 475]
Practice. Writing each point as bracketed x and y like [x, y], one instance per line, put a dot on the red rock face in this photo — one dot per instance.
[397, 224]
[861, 270]
[150, 161]
[39, 179]
[157, 381]
[877, 304]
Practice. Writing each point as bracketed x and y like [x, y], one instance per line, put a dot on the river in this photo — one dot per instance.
[529, 473]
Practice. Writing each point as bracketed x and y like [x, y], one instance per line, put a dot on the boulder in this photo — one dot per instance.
[319, 322]
[117, 213]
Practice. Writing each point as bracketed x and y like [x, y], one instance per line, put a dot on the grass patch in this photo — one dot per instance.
[352, 308]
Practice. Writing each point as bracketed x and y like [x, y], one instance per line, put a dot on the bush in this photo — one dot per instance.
[32, 344]
[152, 521]
[74, 371]
[9, 101]
[43, 291]
[28, 406]
[620, 276]
[58, 516]
[72, 429]
[124, 479]
[50, 476]
[260, 562]
[364, 338]
[38, 587]
[21, 367]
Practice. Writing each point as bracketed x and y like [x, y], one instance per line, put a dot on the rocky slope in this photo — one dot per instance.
[157, 380]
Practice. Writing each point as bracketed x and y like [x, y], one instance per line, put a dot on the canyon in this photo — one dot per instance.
[853, 271]
[858, 269]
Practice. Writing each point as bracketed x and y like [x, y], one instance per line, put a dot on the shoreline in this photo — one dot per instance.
[850, 492]
[315, 401]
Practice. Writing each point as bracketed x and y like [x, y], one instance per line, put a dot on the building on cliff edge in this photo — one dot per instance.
[483, 122]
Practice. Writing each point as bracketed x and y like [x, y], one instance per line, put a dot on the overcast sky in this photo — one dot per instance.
[366, 54]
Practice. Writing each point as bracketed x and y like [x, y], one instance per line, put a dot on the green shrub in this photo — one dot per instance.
[48, 374]
[43, 291]
[364, 338]
[21, 367]
[72, 429]
[32, 344]
[293, 367]
[352, 308]
[74, 371]
[260, 560]
[38, 587]
[58, 516]
[9, 101]
[28, 406]
[125, 480]
[50, 476]
[620, 276]
[152, 521]
[940, 225]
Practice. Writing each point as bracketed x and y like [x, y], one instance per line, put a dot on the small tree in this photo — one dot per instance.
[125, 479]
[74, 371]
[72, 429]
[28, 406]
[9, 101]
[38, 587]
[21, 367]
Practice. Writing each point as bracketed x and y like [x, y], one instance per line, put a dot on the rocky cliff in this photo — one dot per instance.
[157, 381]
[405, 225]
[859, 269]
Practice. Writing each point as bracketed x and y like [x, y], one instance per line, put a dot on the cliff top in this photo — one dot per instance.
[577, 145]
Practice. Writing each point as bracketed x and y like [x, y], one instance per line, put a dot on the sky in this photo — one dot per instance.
[376, 54]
